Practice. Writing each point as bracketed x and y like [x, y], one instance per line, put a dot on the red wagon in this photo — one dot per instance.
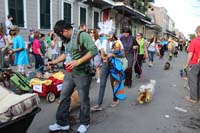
[49, 91]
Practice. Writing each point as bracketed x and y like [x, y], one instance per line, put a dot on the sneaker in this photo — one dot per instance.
[96, 108]
[114, 103]
[82, 128]
[98, 80]
[56, 127]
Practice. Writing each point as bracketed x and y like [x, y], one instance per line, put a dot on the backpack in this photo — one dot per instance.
[78, 42]
[91, 69]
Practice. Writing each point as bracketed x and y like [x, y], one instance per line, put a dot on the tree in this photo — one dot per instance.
[191, 36]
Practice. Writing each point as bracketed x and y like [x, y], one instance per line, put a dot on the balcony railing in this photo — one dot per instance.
[140, 5]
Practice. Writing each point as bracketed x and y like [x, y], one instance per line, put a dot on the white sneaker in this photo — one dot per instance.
[56, 127]
[82, 128]
[98, 80]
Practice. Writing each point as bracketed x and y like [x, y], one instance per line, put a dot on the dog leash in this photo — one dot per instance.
[136, 61]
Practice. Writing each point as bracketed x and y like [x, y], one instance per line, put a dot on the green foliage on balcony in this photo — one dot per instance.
[140, 5]
[148, 18]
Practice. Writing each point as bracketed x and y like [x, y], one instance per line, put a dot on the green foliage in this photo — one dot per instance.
[191, 36]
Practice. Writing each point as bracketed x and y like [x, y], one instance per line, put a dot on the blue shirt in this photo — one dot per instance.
[21, 57]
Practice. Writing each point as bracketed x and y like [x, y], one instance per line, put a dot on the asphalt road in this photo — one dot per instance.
[159, 116]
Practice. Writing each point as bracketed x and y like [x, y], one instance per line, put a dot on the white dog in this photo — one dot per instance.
[146, 92]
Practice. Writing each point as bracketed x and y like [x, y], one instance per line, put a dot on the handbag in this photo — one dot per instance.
[124, 62]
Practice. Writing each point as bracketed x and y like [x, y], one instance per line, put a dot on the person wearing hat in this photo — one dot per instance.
[130, 45]
[77, 58]
[193, 66]
[19, 49]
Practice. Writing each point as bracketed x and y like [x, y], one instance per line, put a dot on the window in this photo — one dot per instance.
[16, 10]
[45, 14]
[67, 12]
[96, 19]
[82, 15]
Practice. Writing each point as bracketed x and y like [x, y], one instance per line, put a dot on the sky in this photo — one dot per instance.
[185, 13]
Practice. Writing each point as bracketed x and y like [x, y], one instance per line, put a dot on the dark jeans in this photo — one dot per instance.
[39, 61]
[103, 80]
[138, 64]
[82, 84]
[112, 84]
[194, 81]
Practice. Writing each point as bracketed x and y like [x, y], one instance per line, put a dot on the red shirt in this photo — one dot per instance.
[36, 46]
[194, 47]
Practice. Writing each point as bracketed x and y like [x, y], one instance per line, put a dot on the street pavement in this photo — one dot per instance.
[159, 116]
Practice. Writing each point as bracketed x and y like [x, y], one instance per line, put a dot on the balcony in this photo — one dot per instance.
[139, 5]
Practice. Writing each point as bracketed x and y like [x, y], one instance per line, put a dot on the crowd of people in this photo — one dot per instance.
[79, 49]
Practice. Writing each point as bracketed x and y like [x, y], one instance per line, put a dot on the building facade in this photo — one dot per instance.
[43, 14]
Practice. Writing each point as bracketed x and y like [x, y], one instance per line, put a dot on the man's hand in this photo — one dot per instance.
[2, 49]
[11, 52]
[72, 64]
[49, 64]
[186, 66]
[110, 55]
[135, 47]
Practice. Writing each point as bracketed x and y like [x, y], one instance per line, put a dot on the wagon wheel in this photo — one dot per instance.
[51, 97]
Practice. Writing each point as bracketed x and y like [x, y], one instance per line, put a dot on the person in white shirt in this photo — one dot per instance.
[97, 59]
[152, 49]
[106, 53]
[54, 46]
[8, 24]
[3, 46]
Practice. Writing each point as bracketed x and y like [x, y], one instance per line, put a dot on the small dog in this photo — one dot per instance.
[146, 92]
[175, 52]
[167, 66]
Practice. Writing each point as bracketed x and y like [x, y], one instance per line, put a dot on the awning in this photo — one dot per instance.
[154, 26]
[145, 21]
[101, 4]
[170, 33]
[127, 10]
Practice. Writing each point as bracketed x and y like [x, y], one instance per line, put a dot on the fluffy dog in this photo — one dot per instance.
[146, 92]
[167, 66]
[75, 100]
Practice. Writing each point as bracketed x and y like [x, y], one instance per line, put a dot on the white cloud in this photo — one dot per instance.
[185, 13]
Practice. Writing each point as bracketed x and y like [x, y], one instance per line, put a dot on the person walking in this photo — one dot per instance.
[77, 57]
[8, 24]
[97, 59]
[19, 49]
[106, 55]
[193, 65]
[54, 46]
[142, 53]
[3, 47]
[152, 49]
[130, 45]
[39, 58]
